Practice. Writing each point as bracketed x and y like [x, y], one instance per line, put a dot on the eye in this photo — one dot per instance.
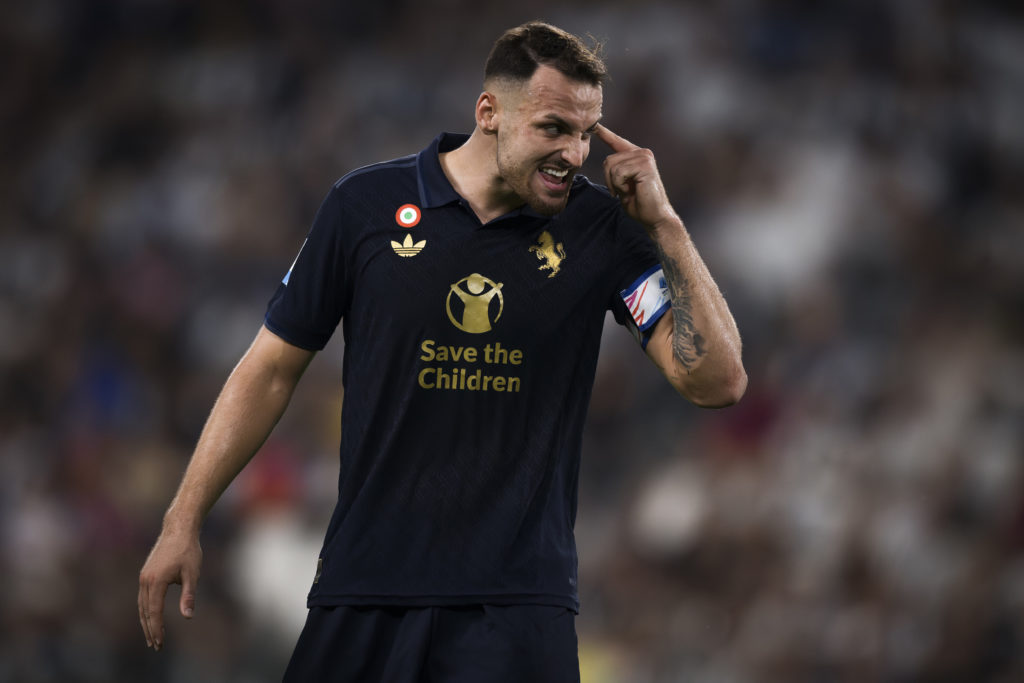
[552, 130]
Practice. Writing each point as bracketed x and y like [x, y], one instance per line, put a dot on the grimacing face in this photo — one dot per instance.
[544, 137]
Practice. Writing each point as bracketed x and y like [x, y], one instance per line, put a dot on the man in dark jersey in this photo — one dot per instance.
[472, 281]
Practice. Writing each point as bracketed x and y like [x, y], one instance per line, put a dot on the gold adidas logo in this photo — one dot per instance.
[408, 248]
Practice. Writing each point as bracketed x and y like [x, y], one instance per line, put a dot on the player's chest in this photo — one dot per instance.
[523, 275]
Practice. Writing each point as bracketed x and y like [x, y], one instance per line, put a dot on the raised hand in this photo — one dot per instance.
[632, 176]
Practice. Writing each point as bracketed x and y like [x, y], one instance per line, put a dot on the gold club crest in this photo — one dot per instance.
[550, 253]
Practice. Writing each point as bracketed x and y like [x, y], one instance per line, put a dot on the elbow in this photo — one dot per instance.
[731, 390]
[724, 391]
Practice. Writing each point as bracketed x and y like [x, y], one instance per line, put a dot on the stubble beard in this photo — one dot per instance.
[519, 177]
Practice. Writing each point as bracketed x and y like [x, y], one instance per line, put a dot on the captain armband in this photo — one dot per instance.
[646, 301]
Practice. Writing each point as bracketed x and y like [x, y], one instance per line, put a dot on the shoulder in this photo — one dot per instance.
[368, 193]
[376, 189]
[380, 174]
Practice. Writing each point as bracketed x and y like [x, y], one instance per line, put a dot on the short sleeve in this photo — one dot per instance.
[641, 295]
[313, 295]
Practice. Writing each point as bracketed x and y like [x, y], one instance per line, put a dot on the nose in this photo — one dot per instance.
[575, 151]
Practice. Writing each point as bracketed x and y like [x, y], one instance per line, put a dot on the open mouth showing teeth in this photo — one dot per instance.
[555, 178]
[558, 173]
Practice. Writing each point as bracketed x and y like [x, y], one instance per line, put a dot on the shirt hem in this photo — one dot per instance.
[444, 600]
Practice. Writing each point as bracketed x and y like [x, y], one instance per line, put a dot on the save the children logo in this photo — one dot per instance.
[470, 303]
[473, 304]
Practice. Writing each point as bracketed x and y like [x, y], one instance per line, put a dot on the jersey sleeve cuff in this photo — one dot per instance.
[304, 340]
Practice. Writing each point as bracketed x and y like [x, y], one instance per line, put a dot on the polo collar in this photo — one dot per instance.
[435, 188]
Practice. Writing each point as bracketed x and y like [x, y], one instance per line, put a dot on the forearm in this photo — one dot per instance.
[705, 342]
[249, 406]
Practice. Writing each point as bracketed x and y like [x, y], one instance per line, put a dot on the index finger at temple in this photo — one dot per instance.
[616, 142]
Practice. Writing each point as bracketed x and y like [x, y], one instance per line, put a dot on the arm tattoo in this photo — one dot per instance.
[687, 343]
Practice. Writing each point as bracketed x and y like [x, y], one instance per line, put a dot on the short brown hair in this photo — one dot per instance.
[520, 50]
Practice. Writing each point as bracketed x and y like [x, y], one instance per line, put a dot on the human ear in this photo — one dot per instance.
[487, 113]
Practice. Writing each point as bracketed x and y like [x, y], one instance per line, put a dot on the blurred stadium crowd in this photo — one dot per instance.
[850, 170]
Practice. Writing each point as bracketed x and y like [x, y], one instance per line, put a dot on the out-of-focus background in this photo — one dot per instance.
[851, 172]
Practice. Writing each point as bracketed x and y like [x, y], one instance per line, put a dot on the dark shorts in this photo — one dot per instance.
[471, 644]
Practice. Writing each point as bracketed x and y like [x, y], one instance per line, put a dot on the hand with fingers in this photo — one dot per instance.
[174, 559]
[632, 176]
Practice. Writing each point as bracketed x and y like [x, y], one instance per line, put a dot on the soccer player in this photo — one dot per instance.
[472, 281]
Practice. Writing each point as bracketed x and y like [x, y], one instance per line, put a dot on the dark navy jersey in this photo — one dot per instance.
[469, 359]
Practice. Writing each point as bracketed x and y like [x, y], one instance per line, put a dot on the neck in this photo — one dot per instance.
[472, 170]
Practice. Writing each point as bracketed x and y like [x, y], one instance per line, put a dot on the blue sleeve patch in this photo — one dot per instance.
[647, 300]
